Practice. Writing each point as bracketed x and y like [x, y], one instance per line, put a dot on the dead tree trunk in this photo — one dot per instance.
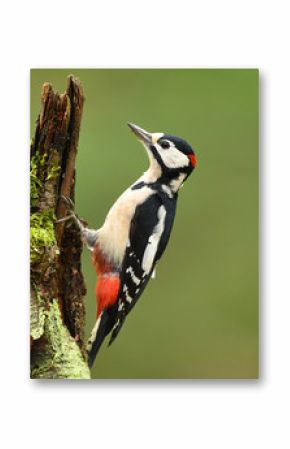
[57, 285]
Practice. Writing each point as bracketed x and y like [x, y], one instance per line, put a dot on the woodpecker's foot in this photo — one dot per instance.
[68, 202]
[72, 216]
[89, 236]
[68, 217]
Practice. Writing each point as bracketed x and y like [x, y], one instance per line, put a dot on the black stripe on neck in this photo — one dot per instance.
[168, 174]
[157, 186]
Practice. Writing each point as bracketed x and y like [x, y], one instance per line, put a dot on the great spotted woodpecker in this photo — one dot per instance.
[135, 233]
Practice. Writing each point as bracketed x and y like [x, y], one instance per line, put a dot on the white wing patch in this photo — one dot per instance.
[153, 241]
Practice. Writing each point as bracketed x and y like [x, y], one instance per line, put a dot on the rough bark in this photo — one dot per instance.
[57, 284]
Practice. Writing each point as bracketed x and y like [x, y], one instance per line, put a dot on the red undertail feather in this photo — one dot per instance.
[107, 290]
[108, 284]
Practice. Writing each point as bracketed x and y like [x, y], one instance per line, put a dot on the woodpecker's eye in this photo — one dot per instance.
[165, 144]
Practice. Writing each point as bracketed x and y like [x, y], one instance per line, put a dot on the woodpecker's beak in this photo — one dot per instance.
[144, 136]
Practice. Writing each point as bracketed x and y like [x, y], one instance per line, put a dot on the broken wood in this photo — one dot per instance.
[57, 284]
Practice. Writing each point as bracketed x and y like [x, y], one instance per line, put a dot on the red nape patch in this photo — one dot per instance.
[107, 291]
[192, 159]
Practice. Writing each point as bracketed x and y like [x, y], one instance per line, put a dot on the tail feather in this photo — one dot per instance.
[116, 329]
[100, 331]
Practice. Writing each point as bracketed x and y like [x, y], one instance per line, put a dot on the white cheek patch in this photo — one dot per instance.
[172, 157]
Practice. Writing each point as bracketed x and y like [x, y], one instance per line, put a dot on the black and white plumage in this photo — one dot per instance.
[136, 232]
[148, 237]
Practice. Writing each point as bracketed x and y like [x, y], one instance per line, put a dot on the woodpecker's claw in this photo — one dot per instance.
[68, 217]
[89, 235]
[72, 215]
[68, 202]
[71, 206]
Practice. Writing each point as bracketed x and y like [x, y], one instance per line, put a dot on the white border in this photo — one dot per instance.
[202, 414]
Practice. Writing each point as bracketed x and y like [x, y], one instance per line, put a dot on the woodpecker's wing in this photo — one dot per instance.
[148, 237]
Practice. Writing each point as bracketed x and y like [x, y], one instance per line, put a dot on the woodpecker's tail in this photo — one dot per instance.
[101, 329]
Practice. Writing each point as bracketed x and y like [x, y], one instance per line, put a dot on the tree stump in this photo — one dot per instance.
[57, 284]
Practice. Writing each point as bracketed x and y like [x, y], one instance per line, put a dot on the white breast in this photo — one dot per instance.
[114, 234]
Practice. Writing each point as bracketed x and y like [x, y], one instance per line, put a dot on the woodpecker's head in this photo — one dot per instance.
[171, 158]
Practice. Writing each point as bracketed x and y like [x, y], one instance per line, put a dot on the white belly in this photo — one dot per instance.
[113, 236]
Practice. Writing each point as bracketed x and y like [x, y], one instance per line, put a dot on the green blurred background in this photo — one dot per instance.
[199, 317]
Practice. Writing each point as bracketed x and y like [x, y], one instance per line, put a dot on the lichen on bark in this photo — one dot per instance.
[58, 356]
